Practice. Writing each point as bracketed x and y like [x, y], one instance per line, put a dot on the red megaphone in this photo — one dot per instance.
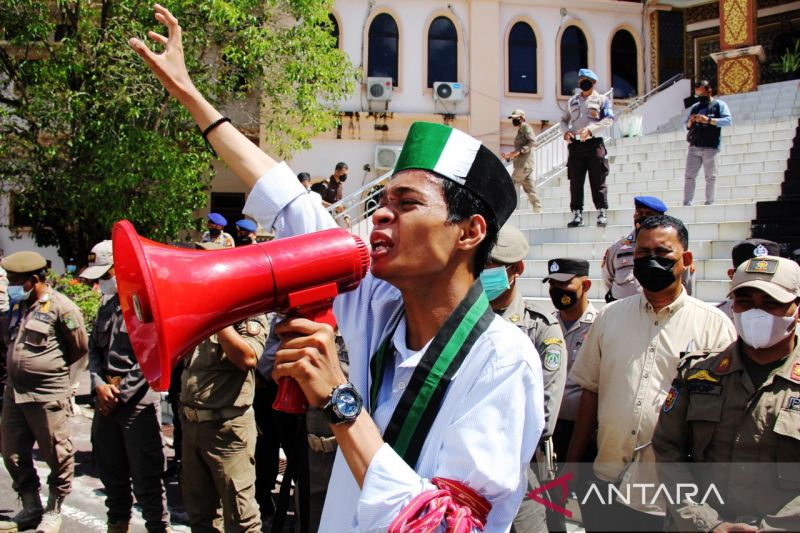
[173, 298]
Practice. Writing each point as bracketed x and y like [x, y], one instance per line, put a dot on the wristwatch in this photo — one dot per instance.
[344, 404]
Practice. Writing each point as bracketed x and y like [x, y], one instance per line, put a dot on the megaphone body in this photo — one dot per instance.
[172, 298]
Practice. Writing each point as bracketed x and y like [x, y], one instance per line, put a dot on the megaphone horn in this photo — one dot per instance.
[173, 298]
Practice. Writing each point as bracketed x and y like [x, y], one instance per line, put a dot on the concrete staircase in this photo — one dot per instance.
[770, 102]
[751, 168]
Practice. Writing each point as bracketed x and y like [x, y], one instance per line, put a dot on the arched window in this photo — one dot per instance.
[334, 28]
[522, 59]
[383, 46]
[442, 51]
[624, 65]
[574, 56]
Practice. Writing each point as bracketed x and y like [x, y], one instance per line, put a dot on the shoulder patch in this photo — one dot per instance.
[702, 375]
[253, 328]
[552, 358]
[669, 401]
[795, 374]
[552, 340]
[69, 321]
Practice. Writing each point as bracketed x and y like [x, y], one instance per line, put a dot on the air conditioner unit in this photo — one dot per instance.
[386, 158]
[379, 89]
[448, 91]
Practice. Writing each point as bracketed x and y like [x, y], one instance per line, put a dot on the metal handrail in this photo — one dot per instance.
[550, 162]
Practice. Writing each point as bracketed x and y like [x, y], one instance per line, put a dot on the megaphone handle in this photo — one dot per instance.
[290, 397]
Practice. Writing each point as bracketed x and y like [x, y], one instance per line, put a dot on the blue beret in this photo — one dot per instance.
[586, 73]
[247, 225]
[650, 202]
[216, 218]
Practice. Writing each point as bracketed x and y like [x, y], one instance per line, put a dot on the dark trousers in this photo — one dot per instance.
[128, 449]
[613, 515]
[587, 156]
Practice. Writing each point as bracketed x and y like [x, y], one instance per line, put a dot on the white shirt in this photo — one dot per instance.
[490, 419]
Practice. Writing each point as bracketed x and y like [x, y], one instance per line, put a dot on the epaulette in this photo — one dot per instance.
[689, 358]
[535, 310]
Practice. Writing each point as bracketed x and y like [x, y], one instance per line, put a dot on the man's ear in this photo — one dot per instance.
[473, 232]
[731, 272]
[587, 284]
[519, 267]
[688, 258]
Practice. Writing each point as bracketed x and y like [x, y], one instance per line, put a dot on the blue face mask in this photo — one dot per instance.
[494, 281]
[16, 293]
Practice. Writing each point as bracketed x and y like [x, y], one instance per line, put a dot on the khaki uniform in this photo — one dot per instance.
[223, 239]
[629, 358]
[617, 269]
[127, 444]
[545, 333]
[574, 337]
[43, 340]
[523, 164]
[714, 414]
[219, 435]
[3, 291]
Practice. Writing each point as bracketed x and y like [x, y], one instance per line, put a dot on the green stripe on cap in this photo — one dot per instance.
[439, 148]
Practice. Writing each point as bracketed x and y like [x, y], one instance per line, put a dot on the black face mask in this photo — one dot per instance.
[585, 85]
[654, 273]
[343, 178]
[241, 241]
[704, 99]
[516, 121]
[563, 299]
[214, 232]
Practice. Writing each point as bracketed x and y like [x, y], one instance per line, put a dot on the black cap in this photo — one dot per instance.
[566, 268]
[750, 248]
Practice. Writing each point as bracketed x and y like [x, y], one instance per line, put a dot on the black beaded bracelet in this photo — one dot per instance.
[210, 128]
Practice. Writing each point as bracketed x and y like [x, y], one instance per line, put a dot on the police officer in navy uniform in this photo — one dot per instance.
[506, 265]
[245, 232]
[587, 117]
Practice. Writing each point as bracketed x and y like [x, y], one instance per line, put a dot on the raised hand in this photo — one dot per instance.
[170, 65]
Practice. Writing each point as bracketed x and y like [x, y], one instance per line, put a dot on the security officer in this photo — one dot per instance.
[219, 429]
[127, 442]
[522, 158]
[506, 265]
[738, 407]
[245, 232]
[741, 252]
[587, 117]
[617, 264]
[44, 336]
[569, 291]
[216, 233]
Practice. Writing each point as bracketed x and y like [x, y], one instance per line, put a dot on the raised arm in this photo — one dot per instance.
[246, 159]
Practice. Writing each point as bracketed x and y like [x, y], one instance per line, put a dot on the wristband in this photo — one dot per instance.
[210, 128]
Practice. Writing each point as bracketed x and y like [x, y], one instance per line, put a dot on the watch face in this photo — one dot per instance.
[347, 404]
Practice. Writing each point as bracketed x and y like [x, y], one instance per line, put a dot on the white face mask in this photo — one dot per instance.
[108, 286]
[759, 329]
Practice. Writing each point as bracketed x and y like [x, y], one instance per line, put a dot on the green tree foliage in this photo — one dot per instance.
[88, 136]
[87, 299]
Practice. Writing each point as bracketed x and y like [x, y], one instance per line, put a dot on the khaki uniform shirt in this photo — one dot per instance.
[593, 112]
[545, 333]
[43, 340]
[3, 291]
[630, 358]
[714, 414]
[524, 143]
[223, 239]
[111, 355]
[574, 337]
[211, 381]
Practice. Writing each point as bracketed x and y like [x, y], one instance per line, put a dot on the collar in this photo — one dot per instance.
[515, 313]
[406, 358]
[587, 318]
[672, 308]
